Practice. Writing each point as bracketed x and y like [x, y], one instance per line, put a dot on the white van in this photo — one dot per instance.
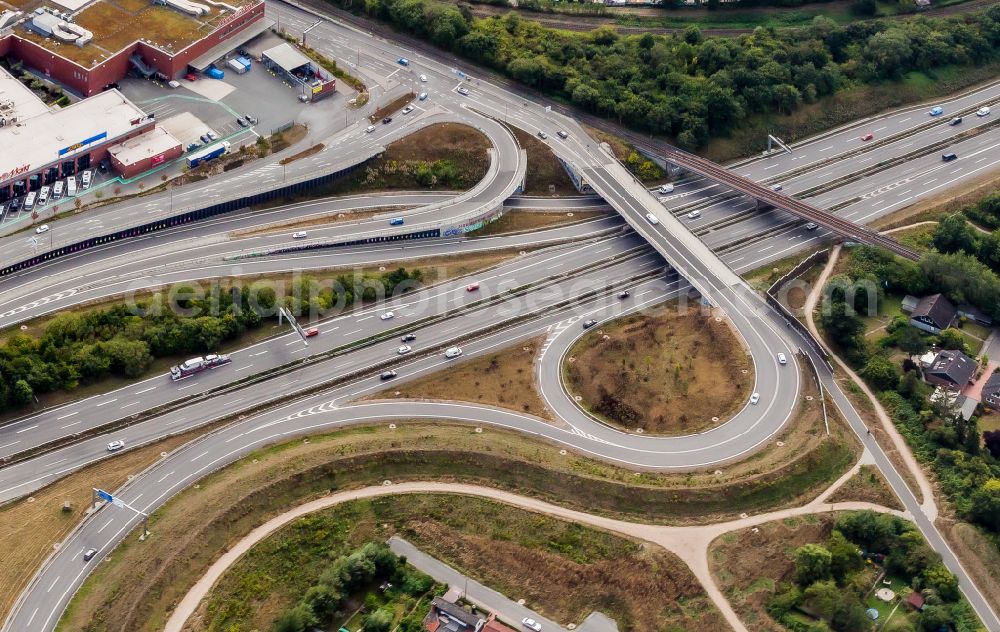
[71, 186]
[43, 195]
[85, 178]
[57, 189]
[29, 201]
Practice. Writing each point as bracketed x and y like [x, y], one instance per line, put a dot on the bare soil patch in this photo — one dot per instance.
[505, 379]
[747, 566]
[132, 591]
[545, 175]
[392, 106]
[31, 526]
[315, 149]
[978, 554]
[506, 547]
[663, 372]
[868, 485]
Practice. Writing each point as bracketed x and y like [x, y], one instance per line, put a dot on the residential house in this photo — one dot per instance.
[991, 392]
[450, 617]
[951, 369]
[909, 303]
[915, 600]
[492, 625]
[933, 314]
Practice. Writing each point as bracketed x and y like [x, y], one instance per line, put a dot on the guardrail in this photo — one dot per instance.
[194, 212]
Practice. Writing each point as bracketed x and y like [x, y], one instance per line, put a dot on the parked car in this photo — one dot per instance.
[299, 234]
[212, 135]
[388, 375]
[652, 219]
[205, 139]
[407, 109]
[312, 331]
[422, 96]
[983, 111]
[116, 445]
[242, 122]
[85, 178]
[387, 316]
[463, 91]
[531, 624]
[695, 214]
[453, 352]
[937, 110]
[191, 76]
[666, 188]
[250, 119]
[868, 136]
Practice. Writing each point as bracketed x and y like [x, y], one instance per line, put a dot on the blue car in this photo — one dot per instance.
[937, 110]
[403, 61]
[396, 221]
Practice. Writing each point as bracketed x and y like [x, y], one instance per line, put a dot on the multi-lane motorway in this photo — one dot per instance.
[569, 279]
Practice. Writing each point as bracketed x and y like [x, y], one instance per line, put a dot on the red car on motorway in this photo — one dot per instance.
[868, 136]
[472, 287]
[312, 331]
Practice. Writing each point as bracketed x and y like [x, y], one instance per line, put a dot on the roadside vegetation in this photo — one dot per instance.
[123, 341]
[689, 87]
[445, 156]
[505, 379]
[823, 572]
[505, 547]
[661, 372]
[869, 486]
[142, 580]
[514, 221]
[545, 175]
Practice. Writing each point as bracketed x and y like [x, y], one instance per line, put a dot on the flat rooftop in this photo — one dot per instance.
[117, 24]
[152, 143]
[38, 140]
[17, 100]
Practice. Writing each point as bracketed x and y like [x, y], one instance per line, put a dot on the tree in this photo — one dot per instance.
[812, 564]
[991, 439]
[955, 234]
[911, 341]
[951, 338]
[881, 373]
[21, 393]
[934, 619]
[986, 504]
[942, 581]
[844, 556]
[378, 621]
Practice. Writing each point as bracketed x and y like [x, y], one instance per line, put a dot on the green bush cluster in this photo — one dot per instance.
[954, 234]
[349, 575]
[80, 348]
[830, 587]
[690, 87]
[969, 476]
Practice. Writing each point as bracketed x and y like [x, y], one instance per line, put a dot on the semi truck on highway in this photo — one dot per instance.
[213, 151]
[197, 365]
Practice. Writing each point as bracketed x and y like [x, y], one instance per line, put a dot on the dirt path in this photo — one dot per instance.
[928, 506]
[690, 544]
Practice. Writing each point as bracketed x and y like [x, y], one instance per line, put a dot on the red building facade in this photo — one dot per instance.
[88, 81]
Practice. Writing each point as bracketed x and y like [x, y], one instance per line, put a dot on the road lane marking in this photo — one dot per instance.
[165, 476]
[65, 416]
[27, 429]
[54, 582]
[244, 368]
[132, 404]
[70, 425]
[146, 390]
[106, 524]
[199, 456]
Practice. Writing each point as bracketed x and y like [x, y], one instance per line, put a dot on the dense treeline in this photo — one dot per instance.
[954, 234]
[78, 348]
[687, 86]
[968, 474]
[348, 576]
[830, 585]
